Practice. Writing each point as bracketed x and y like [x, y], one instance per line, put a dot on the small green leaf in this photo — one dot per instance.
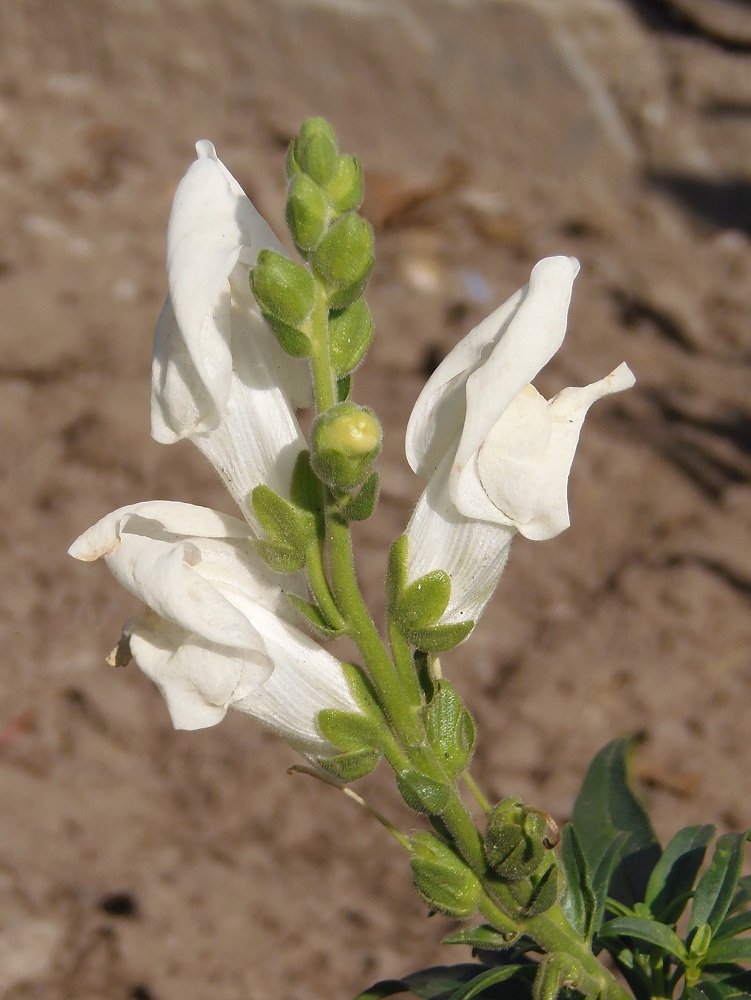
[282, 521]
[607, 805]
[451, 730]
[578, 900]
[484, 938]
[743, 894]
[349, 731]
[732, 926]
[672, 879]
[346, 767]
[422, 793]
[361, 507]
[422, 603]
[486, 979]
[314, 618]
[441, 638]
[306, 492]
[716, 888]
[603, 876]
[281, 558]
[651, 931]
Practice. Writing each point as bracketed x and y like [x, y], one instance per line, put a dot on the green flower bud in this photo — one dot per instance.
[285, 292]
[515, 840]
[316, 150]
[451, 730]
[346, 189]
[344, 258]
[350, 335]
[346, 442]
[441, 877]
[307, 212]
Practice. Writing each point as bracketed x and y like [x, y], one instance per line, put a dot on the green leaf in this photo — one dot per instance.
[451, 730]
[315, 618]
[440, 638]
[577, 900]
[385, 988]
[361, 507]
[732, 926]
[281, 558]
[346, 767]
[743, 895]
[728, 951]
[484, 937]
[603, 876]
[442, 982]
[422, 603]
[672, 879]
[284, 523]
[651, 931]
[349, 731]
[306, 492]
[422, 793]
[716, 888]
[606, 806]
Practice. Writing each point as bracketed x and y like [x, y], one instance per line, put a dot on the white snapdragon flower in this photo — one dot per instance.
[219, 377]
[217, 632]
[497, 455]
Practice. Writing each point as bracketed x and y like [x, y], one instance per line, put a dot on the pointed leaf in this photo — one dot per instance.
[607, 805]
[385, 988]
[716, 888]
[484, 937]
[602, 876]
[742, 896]
[670, 884]
[442, 982]
[487, 979]
[578, 899]
[732, 926]
[441, 638]
[314, 617]
[643, 929]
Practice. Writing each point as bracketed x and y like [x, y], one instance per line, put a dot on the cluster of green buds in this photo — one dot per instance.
[518, 851]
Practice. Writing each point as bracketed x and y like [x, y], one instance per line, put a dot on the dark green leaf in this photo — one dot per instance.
[731, 926]
[646, 930]
[578, 900]
[717, 886]
[603, 876]
[728, 951]
[706, 991]
[743, 895]
[607, 805]
[670, 884]
[441, 982]
[485, 980]
[386, 988]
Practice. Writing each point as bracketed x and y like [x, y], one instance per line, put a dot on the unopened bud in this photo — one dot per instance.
[441, 877]
[307, 212]
[344, 258]
[345, 189]
[346, 442]
[515, 839]
[315, 150]
[285, 292]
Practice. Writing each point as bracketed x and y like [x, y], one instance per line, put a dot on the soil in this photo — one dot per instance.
[138, 863]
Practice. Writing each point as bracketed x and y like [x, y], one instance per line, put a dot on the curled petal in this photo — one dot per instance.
[530, 339]
[199, 680]
[473, 553]
[524, 463]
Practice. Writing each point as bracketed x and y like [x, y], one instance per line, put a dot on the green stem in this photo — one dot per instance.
[405, 665]
[319, 585]
[476, 791]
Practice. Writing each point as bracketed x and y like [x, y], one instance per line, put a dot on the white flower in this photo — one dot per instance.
[217, 632]
[495, 453]
[219, 377]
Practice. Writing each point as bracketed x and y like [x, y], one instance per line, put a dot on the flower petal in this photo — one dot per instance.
[473, 553]
[199, 680]
[526, 459]
[213, 229]
[531, 337]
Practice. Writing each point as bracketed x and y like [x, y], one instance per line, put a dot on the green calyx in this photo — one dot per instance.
[346, 441]
[515, 840]
[442, 878]
[451, 730]
[350, 336]
[285, 292]
[289, 528]
[344, 259]
[314, 151]
[307, 212]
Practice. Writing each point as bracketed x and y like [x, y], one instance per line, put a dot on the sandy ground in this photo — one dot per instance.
[137, 863]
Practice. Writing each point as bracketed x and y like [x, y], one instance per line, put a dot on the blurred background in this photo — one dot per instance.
[137, 863]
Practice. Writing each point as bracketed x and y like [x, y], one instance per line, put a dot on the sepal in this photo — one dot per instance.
[314, 617]
[279, 557]
[451, 730]
[346, 189]
[422, 603]
[514, 841]
[442, 879]
[441, 638]
[422, 793]
[362, 690]
[307, 212]
[285, 524]
[306, 492]
[349, 731]
[483, 938]
[315, 150]
[361, 506]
